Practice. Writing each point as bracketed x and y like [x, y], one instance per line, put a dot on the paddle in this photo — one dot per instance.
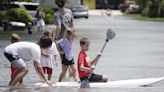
[109, 35]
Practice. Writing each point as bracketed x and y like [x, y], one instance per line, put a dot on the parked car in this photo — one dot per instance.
[13, 25]
[79, 11]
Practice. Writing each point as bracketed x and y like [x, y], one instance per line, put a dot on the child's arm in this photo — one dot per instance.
[82, 68]
[59, 47]
[55, 53]
[93, 61]
[45, 52]
[55, 61]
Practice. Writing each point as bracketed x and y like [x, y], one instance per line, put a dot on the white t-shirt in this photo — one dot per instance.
[25, 50]
[66, 45]
[49, 61]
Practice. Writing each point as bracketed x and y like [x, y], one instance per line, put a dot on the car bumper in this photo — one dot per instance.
[80, 14]
[12, 25]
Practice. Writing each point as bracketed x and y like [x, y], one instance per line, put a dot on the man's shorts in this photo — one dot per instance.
[94, 78]
[11, 57]
[47, 70]
[67, 62]
[15, 61]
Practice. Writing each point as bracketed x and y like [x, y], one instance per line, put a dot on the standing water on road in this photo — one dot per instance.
[137, 51]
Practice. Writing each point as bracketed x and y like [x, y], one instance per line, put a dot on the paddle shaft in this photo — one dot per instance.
[106, 41]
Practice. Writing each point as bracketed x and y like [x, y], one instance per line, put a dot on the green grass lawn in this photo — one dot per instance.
[140, 17]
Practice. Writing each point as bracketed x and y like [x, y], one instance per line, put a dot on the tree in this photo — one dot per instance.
[157, 6]
[142, 4]
[4, 5]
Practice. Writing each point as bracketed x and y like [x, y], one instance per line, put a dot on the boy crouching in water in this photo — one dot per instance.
[48, 56]
[84, 67]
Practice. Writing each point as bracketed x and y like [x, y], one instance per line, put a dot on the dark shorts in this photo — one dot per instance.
[67, 62]
[11, 57]
[94, 78]
[47, 70]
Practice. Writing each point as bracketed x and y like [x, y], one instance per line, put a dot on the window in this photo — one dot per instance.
[31, 7]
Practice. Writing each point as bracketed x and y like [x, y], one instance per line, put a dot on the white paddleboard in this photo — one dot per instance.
[119, 83]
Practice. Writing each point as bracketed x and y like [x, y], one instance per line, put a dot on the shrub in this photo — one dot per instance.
[49, 19]
[162, 9]
[49, 15]
[151, 10]
[18, 14]
[1, 18]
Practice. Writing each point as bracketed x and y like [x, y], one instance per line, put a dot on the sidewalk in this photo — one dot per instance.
[99, 12]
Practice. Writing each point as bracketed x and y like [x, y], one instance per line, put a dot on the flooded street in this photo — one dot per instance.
[137, 51]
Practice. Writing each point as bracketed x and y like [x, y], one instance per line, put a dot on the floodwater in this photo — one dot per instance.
[137, 51]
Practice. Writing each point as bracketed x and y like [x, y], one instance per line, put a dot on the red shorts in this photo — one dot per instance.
[12, 70]
[47, 70]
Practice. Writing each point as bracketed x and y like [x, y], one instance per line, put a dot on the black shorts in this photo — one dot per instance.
[94, 78]
[67, 62]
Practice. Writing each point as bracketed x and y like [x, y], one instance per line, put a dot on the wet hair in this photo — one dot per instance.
[45, 42]
[60, 3]
[84, 41]
[15, 38]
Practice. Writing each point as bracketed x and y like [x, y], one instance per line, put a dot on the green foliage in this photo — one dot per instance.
[49, 19]
[18, 14]
[1, 18]
[142, 4]
[162, 9]
[49, 15]
[151, 10]
[23, 0]
[4, 5]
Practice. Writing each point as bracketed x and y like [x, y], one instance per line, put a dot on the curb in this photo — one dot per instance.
[101, 12]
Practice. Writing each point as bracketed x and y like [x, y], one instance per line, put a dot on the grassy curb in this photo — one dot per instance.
[140, 17]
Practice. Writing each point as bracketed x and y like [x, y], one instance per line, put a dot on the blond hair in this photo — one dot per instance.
[15, 37]
[48, 32]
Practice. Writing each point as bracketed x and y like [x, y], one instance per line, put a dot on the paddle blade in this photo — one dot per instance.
[85, 84]
[110, 34]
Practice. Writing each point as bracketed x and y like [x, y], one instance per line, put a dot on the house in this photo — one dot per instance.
[90, 4]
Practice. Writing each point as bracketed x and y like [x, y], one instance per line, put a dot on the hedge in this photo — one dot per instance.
[18, 14]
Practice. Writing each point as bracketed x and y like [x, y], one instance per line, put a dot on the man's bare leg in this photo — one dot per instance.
[18, 76]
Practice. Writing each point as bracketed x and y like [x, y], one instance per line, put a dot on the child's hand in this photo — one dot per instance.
[99, 54]
[93, 67]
